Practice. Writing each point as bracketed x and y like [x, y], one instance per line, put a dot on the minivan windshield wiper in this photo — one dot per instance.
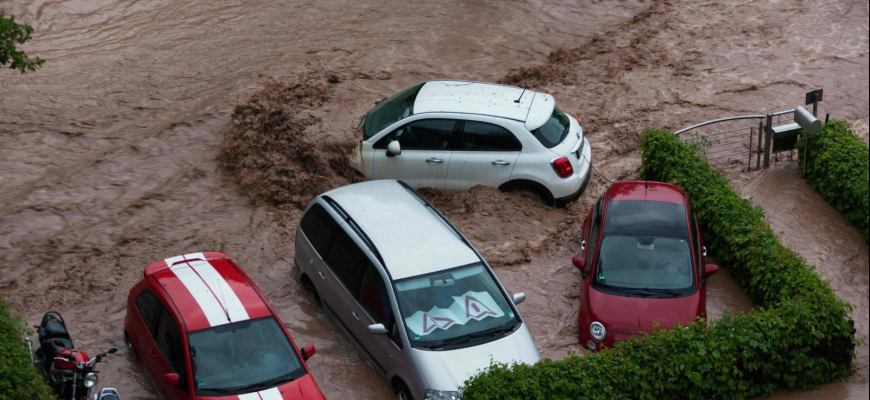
[471, 336]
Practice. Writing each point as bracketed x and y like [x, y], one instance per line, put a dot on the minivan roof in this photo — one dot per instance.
[489, 99]
[411, 238]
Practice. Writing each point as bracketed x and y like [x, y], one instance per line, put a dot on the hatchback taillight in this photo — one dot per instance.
[563, 167]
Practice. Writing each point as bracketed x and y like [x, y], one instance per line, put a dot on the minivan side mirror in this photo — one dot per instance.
[710, 270]
[394, 149]
[378, 329]
[172, 379]
[308, 351]
[519, 298]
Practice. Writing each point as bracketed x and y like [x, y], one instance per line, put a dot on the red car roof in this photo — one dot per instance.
[208, 289]
[647, 191]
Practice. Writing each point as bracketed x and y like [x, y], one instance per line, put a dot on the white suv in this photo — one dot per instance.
[453, 135]
[420, 302]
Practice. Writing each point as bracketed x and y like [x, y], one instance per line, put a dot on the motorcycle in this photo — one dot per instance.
[70, 372]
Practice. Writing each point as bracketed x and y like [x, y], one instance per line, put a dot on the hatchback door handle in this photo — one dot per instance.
[500, 162]
[151, 352]
[434, 161]
[583, 246]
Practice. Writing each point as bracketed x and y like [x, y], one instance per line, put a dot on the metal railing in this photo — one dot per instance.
[731, 149]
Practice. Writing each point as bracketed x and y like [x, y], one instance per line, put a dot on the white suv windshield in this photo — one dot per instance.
[455, 308]
[242, 357]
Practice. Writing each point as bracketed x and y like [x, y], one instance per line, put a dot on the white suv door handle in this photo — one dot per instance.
[500, 162]
[434, 160]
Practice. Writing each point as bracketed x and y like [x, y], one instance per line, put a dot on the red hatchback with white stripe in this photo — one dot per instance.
[203, 330]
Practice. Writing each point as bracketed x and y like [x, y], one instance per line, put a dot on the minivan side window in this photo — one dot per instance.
[320, 228]
[480, 136]
[150, 308]
[375, 299]
[169, 340]
[347, 261]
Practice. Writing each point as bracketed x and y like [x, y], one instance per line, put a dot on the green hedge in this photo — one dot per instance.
[839, 168]
[799, 338]
[18, 377]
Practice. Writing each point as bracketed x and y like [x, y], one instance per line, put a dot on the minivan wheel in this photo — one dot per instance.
[309, 287]
[402, 392]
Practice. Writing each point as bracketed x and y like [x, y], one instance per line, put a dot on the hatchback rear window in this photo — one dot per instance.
[554, 130]
[395, 108]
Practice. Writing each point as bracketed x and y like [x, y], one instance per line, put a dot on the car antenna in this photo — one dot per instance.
[224, 302]
[521, 96]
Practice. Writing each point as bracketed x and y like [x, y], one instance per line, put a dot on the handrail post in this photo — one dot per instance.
[758, 149]
[768, 136]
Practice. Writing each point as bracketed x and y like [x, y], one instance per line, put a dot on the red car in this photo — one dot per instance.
[642, 263]
[203, 330]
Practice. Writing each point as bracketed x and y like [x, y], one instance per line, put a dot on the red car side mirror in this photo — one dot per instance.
[580, 263]
[308, 351]
[172, 379]
[710, 270]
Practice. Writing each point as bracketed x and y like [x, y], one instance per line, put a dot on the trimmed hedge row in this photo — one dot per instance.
[799, 338]
[18, 377]
[839, 168]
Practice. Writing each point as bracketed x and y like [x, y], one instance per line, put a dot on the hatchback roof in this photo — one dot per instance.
[485, 99]
[647, 191]
[208, 289]
[410, 237]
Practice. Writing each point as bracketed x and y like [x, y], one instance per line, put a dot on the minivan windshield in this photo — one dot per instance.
[455, 308]
[645, 266]
[554, 130]
[395, 108]
[242, 357]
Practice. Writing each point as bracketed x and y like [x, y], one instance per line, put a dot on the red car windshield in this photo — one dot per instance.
[645, 266]
[242, 357]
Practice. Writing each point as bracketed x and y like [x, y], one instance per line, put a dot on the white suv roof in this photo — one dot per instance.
[410, 237]
[489, 99]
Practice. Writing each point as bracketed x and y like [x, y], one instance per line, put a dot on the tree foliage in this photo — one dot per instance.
[13, 34]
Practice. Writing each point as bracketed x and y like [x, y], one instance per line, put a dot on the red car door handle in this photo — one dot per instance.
[151, 352]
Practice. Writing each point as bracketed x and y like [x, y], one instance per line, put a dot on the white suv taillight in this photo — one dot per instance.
[563, 167]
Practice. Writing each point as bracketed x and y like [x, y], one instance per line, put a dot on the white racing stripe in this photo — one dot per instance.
[271, 394]
[214, 296]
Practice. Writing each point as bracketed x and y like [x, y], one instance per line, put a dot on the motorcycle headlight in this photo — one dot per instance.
[91, 380]
[441, 395]
[597, 331]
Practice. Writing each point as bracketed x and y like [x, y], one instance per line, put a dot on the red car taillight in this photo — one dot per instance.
[563, 167]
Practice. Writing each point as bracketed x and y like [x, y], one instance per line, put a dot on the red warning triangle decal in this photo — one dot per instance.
[430, 323]
[475, 309]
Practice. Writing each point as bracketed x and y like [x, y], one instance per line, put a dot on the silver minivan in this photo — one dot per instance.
[414, 296]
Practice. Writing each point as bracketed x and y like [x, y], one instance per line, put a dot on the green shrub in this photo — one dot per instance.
[839, 168]
[799, 338]
[18, 377]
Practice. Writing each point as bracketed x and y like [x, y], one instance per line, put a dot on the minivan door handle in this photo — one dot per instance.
[322, 275]
[500, 162]
[355, 315]
[434, 161]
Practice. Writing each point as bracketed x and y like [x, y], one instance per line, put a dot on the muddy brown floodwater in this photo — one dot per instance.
[109, 154]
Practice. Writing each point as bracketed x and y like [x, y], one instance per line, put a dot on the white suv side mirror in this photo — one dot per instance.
[519, 298]
[394, 149]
